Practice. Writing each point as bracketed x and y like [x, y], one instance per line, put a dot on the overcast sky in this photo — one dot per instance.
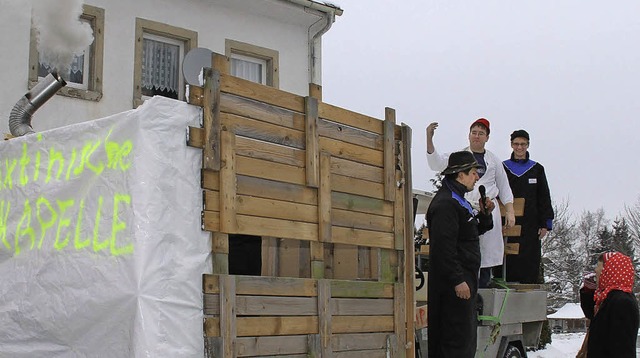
[566, 71]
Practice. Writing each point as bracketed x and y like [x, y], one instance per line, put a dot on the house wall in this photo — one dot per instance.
[285, 31]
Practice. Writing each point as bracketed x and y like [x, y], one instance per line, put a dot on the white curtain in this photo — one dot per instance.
[247, 70]
[160, 65]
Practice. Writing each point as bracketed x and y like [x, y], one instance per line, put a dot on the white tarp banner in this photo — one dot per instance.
[101, 247]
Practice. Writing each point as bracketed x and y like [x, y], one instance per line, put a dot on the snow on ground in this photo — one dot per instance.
[562, 345]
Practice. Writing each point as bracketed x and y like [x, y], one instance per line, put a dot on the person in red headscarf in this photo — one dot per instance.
[611, 307]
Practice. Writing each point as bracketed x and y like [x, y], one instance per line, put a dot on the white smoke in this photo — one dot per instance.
[60, 33]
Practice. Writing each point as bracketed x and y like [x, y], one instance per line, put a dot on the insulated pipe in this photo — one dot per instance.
[20, 117]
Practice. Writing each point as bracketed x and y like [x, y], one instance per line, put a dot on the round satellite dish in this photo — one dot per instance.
[193, 63]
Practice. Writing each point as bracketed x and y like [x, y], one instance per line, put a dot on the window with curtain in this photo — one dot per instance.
[77, 76]
[161, 62]
[249, 68]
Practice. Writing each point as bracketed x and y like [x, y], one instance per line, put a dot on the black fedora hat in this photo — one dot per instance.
[460, 161]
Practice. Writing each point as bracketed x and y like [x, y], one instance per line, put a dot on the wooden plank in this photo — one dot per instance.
[324, 199]
[361, 324]
[258, 92]
[316, 251]
[210, 179]
[511, 248]
[268, 151]
[389, 155]
[362, 237]
[261, 111]
[276, 306]
[276, 209]
[357, 170]
[220, 63]
[269, 256]
[227, 314]
[220, 249]
[399, 216]
[406, 265]
[328, 260]
[210, 283]
[276, 326]
[364, 263]
[286, 229]
[375, 271]
[196, 96]
[361, 307]
[263, 346]
[345, 262]
[212, 127]
[267, 132]
[195, 137]
[348, 134]
[312, 143]
[352, 152]
[264, 188]
[228, 185]
[358, 341]
[324, 317]
[379, 353]
[513, 231]
[387, 272]
[212, 327]
[404, 336]
[364, 221]
[315, 91]
[211, 304]
[304, 258]
[353, 119]
[276, 286]
[518, 207]
[313, 346]
[211, 221]
[361, 289]
[270, 170]
[361, 204]
[212, 346]
[355, 186]
[288, 258]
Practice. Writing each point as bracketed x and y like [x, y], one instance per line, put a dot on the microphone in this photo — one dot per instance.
[483, 198]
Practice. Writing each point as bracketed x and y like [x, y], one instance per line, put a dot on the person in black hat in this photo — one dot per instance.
[454, 259]
[529, 181]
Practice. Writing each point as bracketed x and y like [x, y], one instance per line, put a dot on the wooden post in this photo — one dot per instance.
[220, 249]
[409, 255]
[228, 222]
[211, 150]
[389, 157]
[324, 317]
[227, 315]
[312, 141]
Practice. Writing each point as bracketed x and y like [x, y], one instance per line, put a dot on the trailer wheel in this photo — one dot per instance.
[512, 352]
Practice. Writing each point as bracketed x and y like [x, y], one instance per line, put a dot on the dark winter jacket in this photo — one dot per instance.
[614, 330]
[454, 227]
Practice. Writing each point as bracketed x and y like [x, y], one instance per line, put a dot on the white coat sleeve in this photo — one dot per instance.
[502, 182]
[437, 161]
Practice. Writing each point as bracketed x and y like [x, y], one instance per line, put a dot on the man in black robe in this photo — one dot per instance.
[527, 180]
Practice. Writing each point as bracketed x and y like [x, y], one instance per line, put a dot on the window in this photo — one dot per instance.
[84, 79]
[159, 52]
[253, 63]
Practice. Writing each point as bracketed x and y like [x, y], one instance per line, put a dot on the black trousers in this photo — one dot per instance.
[452, 322]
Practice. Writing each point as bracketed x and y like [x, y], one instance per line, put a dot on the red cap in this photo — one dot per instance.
[483, 122]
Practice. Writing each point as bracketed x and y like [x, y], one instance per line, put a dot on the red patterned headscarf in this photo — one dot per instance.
[617, 274]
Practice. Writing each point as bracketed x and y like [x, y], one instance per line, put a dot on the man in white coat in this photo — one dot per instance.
[494, 179]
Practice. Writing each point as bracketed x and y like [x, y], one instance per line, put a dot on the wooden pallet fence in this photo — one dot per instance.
[258, 316]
